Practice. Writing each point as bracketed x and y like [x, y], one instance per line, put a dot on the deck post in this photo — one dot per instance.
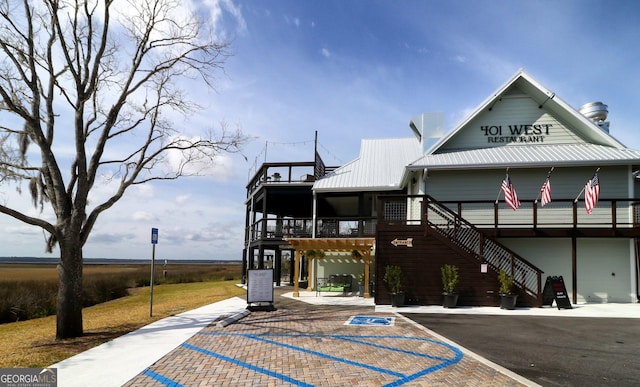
[539, 291]
[424, 218]
[614, 219]
[574, 269]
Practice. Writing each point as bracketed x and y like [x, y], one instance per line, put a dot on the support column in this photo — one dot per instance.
[292, 255]
[277, 265]
[367, 268]
[261, 257]
[251, 258]
[574, 270]
[296, 274]
[310, 273]
[244, 266]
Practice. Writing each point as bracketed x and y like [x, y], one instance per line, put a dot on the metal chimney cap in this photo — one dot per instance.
[595, 111]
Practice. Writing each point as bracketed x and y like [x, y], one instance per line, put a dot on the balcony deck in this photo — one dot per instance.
[284, 174]
[560, 218]
[278, 229]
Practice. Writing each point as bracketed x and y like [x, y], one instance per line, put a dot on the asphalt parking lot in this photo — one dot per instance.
[550, 351]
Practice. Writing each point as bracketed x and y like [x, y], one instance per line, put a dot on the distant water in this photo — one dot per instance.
[116, 261]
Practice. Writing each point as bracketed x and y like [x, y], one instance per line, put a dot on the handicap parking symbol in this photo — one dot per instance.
[371, 321]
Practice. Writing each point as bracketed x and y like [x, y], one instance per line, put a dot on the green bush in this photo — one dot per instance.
[449, 278]
[393, 278]
[506, 282]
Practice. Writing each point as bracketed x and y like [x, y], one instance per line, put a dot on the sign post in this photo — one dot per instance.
[154, 242]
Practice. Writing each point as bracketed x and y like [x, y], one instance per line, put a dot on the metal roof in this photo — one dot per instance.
[379, 167]
[539, 155]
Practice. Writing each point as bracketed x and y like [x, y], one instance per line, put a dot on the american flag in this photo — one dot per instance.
[592, 193]
[545, 192]
[510, 196]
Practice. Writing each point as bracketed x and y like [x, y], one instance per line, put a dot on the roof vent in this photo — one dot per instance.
[597, 112]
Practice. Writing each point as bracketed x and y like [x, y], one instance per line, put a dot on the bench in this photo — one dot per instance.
[335, 283]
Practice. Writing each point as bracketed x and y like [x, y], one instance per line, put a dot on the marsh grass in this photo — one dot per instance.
[29, 291]
[32, 343]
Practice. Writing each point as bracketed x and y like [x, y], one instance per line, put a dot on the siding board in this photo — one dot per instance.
[512, 111]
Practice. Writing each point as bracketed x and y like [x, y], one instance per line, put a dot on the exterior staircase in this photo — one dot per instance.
[459, 234]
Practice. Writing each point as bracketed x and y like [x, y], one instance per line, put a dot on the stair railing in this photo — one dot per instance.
[484, 249]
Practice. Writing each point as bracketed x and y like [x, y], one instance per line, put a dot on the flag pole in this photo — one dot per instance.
[583, 187]
[500, 189]
[543, 183]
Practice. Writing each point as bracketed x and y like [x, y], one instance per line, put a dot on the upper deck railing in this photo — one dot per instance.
[612, 214]
[273, 228]
[288, 173]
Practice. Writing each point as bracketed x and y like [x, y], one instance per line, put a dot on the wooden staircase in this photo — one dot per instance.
[459, 234]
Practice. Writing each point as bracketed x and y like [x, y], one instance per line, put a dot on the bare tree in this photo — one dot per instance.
[107, 81]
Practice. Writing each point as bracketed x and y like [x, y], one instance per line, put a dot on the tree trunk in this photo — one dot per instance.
[69, 306]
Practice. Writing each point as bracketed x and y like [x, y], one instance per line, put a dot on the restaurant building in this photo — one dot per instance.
[525, 184]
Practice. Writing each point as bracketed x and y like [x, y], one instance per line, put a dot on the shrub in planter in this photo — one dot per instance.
[393, 279]
[361, 284]
[449, 283]
[507, 297]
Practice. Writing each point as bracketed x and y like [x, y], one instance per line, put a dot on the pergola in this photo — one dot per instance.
[362, 245]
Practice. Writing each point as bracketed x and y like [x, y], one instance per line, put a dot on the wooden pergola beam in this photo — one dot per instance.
[361, 245]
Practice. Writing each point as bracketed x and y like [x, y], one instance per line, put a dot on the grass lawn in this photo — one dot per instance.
[32, 343]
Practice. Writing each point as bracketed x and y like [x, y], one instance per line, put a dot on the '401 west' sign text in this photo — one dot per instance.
[516, 133]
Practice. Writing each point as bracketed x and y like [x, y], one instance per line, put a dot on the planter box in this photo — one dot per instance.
[397, 299]
[449, 300]
[508, 301]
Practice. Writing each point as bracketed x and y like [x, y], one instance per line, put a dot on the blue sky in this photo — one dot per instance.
[361, 69]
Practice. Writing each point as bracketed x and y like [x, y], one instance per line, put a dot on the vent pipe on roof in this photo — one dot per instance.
[428, 128]
[597, 112]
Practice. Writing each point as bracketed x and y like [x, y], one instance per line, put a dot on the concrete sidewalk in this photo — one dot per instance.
[577, 310]
[610, 310]
[117, 361]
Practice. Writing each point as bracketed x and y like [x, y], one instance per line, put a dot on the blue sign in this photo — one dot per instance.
[154, 236]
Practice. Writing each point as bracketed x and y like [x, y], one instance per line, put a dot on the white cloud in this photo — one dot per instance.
[216, 10]
[181, 199]
[193, 163]
[325, 52]
[144, 191]
[140, 216]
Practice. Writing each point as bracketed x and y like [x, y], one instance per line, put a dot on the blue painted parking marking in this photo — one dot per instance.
[367, 340]
[371, 321]
[324, 355]
[247, 365]
[271, 338]
[159, 378]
